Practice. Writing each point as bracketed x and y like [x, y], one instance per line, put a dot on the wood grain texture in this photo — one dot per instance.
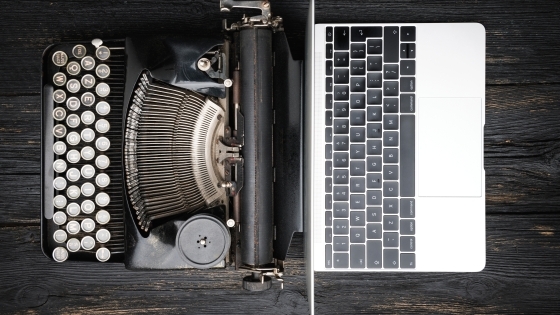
[520, 274]
[522, 160]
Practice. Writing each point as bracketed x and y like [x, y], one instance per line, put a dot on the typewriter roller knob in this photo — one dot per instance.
[203, 241]
[257, 282]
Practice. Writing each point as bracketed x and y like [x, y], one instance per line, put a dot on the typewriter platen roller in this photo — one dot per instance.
[175, 152]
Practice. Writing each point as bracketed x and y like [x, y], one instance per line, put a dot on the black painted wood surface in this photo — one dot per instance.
[522, 160]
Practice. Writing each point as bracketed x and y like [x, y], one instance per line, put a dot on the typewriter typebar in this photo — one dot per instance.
[174, 152]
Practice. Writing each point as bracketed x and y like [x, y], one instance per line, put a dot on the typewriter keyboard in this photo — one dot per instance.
[87, 84]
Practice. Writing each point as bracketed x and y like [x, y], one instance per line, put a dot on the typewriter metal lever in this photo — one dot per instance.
[264, 6]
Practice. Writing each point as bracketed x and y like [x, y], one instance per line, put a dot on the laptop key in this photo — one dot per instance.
[358, 50]
[341, 76]
[374, 231]
[360, 33]
[341, 93]
[357, 185]
[328, 168]
[374, 46]
[340, 260]
[374, 80]
[328, 134]
[358, 134]
[391, 205]
[340, 210]
[340, 159]
[374, 164]
[390, 71]
[391, 122]
[408, 261]
[407, 155]
[340, 193]
[374, 63]
[341, 126]
[391, 105]
[328, 101]
[374, 130]
[391, 189]
[341, 38]
[329, 50]
[357, 151]
[328, 256]
[328, 151]
[374, 180]
[357, 235]
[329, 68]
[374, 148]
[340, 244]
[328, 201]
[358, 201]
[357, 168]
[341, 109]
[328, 235]
[391, 88]
[391, 222]
[328, 118]
[390, 172]
[374, 252]
[373, 198]
[408, 208]
[407, 227]
[391, 42]
[408, 33]
[357, 101]
[340, 143]
[408, 244]
[374, 214]
[391, 155]
[374, 113]
[358, 84]
[341, 59]
[357, 256]
[408, 105]
[328, 85]
[391, 138]
[408, 67]
[358, 117]
[357, 67]
[390, 258]
[340, 177]
[390, 239]
[328, 185]
[340, 227]
[328, 218]
[408, 84]
[374, 97]
[329, 34]
[357, 218]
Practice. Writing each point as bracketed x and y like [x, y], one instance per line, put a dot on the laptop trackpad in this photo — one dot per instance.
[450, 147]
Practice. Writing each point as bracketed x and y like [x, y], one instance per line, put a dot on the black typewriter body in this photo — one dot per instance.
[174, 152]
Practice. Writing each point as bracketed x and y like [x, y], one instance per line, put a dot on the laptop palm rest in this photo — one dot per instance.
[450, 144]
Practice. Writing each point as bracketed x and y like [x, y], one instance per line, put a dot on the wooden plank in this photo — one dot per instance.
[520, 276]
[519, 50]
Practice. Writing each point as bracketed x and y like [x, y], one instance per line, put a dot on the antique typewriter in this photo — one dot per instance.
[175, 152]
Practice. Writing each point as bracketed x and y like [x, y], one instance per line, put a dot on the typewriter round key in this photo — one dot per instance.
[88, 189]
[59, 183]
[103, 254]
[59, 218]
[73, 245]
[59, 113]
[59, 96]
[73, 227]
[102, 162]
[59, 166]
[102, 53]
[79, 51]
[88, 117]
[88, 225]
[102, 217]
[103, 236]
[73, 174]
[73, 86]
[102, 126]
[59, 201]
[102, 199]
[88, 243]
[59, 131]
[102, 144]
[88, 81]
[60, 254]
[60, 236]
[88, 135]
[73, 209]
[102, 180]
[88, 99]
[73, 156]
[73, 103]
[60, 58]
[59, 79]
[103, 108]
[88, 207]
[59, 148]
[73, 138]
[87, 153]
[88, 63]
[73, 192]
[73, 120]
[88, 171]
[73, 68]
[103, 71]
[102, 89]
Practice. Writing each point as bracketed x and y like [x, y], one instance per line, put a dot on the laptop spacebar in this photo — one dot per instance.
[407, 155]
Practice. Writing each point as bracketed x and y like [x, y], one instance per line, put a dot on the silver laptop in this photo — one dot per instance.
[394, 176]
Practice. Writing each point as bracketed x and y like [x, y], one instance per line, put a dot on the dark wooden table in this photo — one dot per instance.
[522, 160]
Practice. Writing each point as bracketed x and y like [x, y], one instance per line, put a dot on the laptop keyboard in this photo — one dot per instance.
[370, 147]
